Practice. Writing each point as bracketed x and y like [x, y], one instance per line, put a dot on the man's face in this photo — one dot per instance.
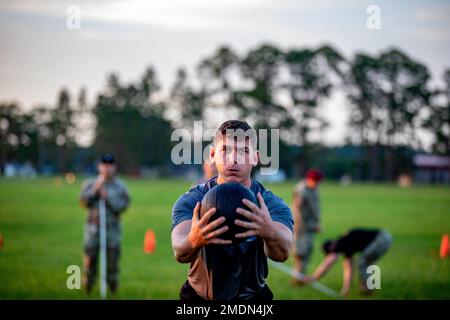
[106, 170]
[311, 183]
[234, 158]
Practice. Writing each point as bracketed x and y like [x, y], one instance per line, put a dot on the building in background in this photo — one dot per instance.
[431, 169]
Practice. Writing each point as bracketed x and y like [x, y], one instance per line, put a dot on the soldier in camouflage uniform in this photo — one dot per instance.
[306, 210]
[116, 197]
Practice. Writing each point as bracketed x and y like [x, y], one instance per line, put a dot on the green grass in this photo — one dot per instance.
[42, 229]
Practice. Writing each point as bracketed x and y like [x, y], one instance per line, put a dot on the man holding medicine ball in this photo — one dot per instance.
[221, 268]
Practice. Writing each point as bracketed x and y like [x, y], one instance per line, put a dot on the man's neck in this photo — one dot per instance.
[247, 182]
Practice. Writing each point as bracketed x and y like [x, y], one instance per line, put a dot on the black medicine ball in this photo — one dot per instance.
[226, 198]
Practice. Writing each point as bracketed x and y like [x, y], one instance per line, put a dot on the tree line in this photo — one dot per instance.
[390, 98]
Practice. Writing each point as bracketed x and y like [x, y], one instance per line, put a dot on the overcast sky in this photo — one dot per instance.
[39, 54]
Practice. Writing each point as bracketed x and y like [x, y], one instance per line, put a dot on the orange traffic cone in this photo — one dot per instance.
[445, 249]
[149, 241]
[1, 241]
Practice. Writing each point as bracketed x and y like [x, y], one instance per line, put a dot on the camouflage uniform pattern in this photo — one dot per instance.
[374, 251]
[116, 202]
[310, 221]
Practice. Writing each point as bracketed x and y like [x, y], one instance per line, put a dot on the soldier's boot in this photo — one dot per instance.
[297, 268]
[364, 290]
[299, 265]
[113, 286]
[113, 268]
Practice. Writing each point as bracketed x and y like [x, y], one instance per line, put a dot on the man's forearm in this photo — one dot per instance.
[182, 247]
[277, 246]
[324, 266]
[347, 276]
[118, 203]
[184, 251]
[88, 196]
[321, 269]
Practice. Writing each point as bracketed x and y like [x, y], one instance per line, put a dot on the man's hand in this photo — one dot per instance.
[102, 193]
[261, 224]
[307, 279]
[344, 292]
[277, 237]
[202, 232]
[99, 182]
[189, 236]
[99, 187]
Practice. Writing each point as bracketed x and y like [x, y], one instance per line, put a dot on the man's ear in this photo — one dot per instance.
[256, 158]
[212, 152]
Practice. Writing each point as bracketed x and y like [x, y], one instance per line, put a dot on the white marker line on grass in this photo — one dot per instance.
[297, 275]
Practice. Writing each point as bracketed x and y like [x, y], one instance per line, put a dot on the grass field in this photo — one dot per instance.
[42, 229]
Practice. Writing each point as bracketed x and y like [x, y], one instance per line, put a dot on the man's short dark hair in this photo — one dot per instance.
[108, 158]
[328, 246]
[233, 126]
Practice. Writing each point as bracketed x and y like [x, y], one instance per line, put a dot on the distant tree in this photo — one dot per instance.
[438, 120]
[10, 130]
[18, 135]
[256, 87]
[187, 102]
[312, 74]
[45, 140]
[63, 130]
[220, 77]
[388, 93]
[256, 98]
[83, 115]
[130, 123]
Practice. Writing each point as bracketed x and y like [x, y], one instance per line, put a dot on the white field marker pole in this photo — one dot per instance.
[102, 222]
[299, 276]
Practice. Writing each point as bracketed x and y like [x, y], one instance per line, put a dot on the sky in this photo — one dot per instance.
[39, 54]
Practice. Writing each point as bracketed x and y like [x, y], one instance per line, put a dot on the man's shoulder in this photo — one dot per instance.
[300, 188]
[194, 194]
[203, 187]
[278, 208]
[120, 183]
[182, 208]
[267, 194]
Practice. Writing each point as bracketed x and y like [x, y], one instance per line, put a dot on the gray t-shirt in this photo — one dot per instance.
[236, 271]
